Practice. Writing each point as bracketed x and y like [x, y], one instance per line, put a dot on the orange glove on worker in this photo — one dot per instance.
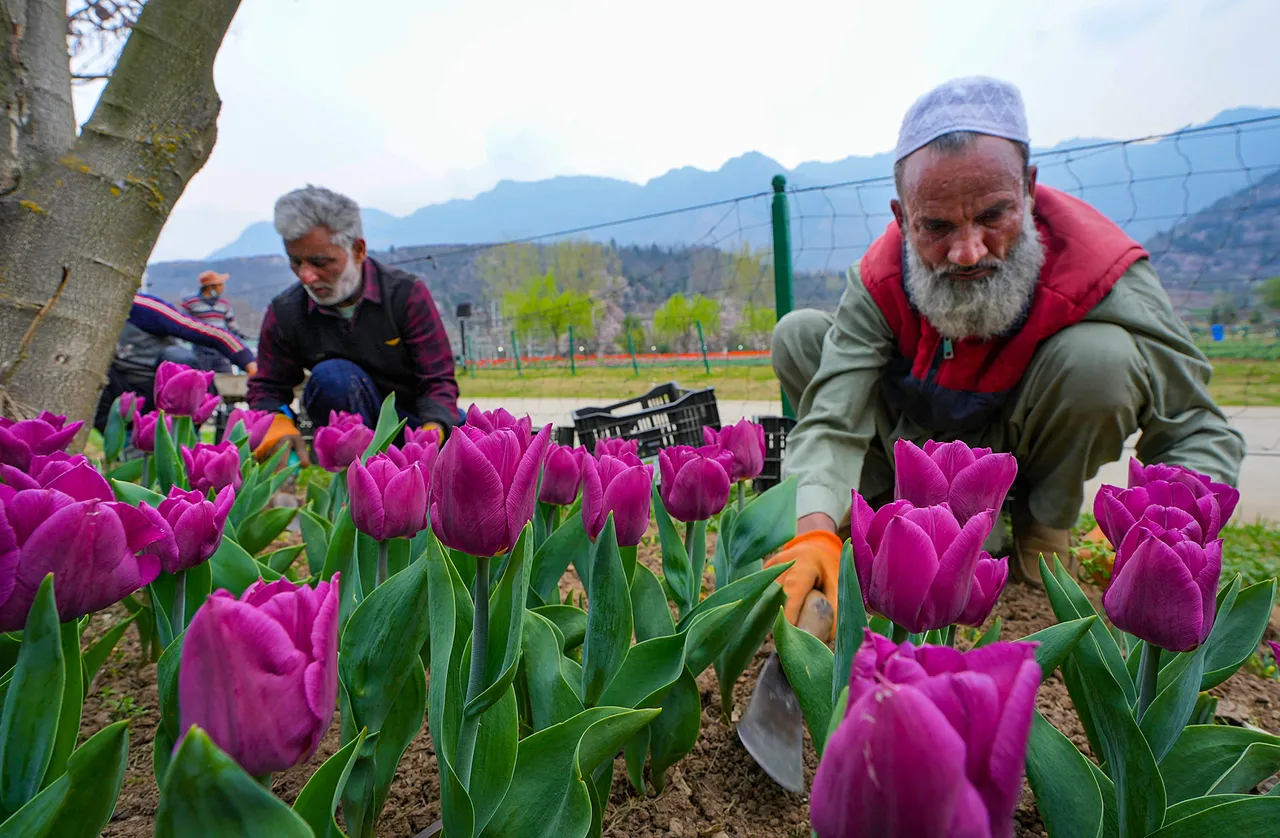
[817, 565]
[283, 431]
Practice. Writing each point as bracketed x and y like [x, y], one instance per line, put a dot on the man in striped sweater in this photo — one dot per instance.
[153, 334]
[211, 308]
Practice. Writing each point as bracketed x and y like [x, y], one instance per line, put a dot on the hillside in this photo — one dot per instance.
[1145, 186]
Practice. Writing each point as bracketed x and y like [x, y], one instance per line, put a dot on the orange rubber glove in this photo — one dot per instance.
[817, 565]
[282, 430]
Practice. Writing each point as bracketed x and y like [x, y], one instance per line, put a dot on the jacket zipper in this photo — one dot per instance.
[944, 352]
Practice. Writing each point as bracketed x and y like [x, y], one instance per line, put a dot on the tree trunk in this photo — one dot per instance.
[78, 226]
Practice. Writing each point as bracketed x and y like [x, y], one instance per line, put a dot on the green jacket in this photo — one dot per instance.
[1179, 420]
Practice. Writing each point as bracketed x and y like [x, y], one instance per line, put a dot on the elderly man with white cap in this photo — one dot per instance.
[992, 310]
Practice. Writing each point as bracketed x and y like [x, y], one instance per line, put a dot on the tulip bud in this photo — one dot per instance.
[616, 447]
[969, 480]
[416, 452]
[22, 440]
[212, 466]
[561, 474]
[275, 649]
[988, 583]
[256, 424]
[933, 742]
[1199, 484]
[144, 431]
[482, 491]
[916, 564]
[183, 391]
[95, 550]
[1164, 587]
[425, 437]
[619, 485]
[344, 439]
[745, 441]
[131, 405]
[387, 501]
[197, 526]
[695, 481]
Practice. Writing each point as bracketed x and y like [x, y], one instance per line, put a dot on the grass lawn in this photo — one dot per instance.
[1235, 382]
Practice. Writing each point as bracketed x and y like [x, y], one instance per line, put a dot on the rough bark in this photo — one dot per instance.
[80, 225]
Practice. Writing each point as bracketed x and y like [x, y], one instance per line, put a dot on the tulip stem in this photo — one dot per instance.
[900, 634]
[178, 618]
[383, 549]
[1149, 677]
[475, 685]
[949, 636]
[742, 494]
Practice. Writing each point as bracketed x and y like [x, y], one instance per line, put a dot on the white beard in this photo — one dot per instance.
[348, 284]
[978, 308]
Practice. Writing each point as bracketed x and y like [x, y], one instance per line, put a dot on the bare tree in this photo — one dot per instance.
[80, 212]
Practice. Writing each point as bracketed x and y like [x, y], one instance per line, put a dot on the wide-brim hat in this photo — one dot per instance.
[213, 278]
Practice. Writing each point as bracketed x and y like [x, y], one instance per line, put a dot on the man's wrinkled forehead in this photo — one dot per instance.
[987, 172]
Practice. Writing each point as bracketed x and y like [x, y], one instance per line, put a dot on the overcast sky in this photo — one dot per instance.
[404, 104]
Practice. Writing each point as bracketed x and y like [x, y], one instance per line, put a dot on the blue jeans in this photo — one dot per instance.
[338, 384]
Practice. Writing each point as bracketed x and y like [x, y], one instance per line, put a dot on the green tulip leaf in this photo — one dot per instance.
[850, 628]
[1077, 602]
[635, 753]
[79, 804]
[649, 606]
[96, 655]
[570, 622]
[316, 532]
[551, 699]
[506, 625]
[166, 735]
[497, 744]
[737, 656]
[1254, 816]
[130, 471]
[318, 801]
[764, 524]
[1237, 633]
[258, 531]
[676, 567]
[1057, 642]
[674, 733]
[1173, 706]
[647, 673]
[234, 570]
[1207, 755]
[133, 494]
[808, 665]
[33, 704]
[553, 558]
[747, 589]
[113, 435]
[206, 793]
[1067, 795]
[72, 703]
[388, 428]
[991, 635]
[548, 797]
[711, 633]
[170, 470]
[1187, 808]
[609, 620]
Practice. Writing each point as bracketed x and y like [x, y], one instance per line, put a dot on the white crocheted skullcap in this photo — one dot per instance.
[975, 103]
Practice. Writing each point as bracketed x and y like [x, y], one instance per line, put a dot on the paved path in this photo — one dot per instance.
[1259, 474]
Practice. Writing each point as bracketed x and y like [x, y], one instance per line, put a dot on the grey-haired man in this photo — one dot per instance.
[992, 310]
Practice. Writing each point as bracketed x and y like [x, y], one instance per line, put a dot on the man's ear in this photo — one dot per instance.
[1032, 171]
[359, 250]
[898, 212]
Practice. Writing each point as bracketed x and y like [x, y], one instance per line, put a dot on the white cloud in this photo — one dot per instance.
[404, 107]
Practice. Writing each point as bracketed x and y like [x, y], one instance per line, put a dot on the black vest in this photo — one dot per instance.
[371, 339]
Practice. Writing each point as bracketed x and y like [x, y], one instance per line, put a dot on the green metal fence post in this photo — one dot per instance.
[783, 299]
[631, 347]
[572, 367]
[703, 344]
[515, 350]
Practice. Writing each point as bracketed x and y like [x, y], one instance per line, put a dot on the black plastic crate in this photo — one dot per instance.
[776, 429]
[666, 416]
[562, 435]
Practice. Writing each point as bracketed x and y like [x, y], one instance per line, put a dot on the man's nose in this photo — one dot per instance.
[307, 274]
[967, 248]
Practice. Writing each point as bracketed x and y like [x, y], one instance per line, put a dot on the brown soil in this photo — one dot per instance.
[716, 792]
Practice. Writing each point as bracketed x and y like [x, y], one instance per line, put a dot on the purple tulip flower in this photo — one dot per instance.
[387, 501]
[425, 437]
[46, 434]
[73, 476]
[256, 424]
[988, 583]
[144, 431]
[969, 480]
[344, 439]
[197, 525]
[616, 447]
[482, 491]
[1275, 650]
[695, 481]
[416, 452]
[561, 474]
[916, 564]
[259, 674]
[1199, 484]
[492, 420]
[745, 441]
[1171, 505]
[213, 466]
[1164, 586]
[183, 391]
[933, 742]
[621, 485]
[95, 549]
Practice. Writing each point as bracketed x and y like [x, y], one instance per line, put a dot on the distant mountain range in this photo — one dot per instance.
[1146, 186]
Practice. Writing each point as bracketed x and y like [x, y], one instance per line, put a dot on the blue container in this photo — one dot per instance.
[1218, 332]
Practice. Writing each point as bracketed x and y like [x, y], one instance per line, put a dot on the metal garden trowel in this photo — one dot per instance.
[772, 729]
